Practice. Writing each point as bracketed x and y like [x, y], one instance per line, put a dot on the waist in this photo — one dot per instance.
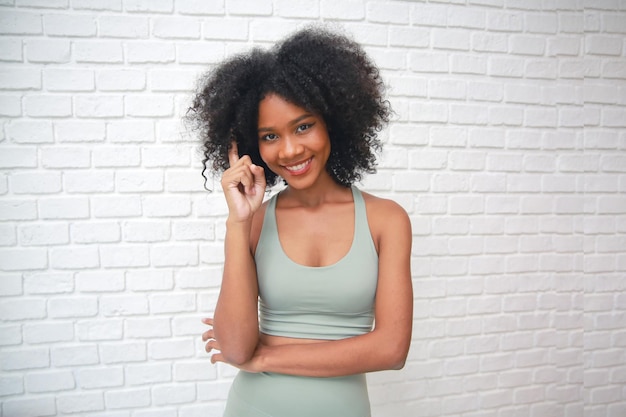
[270, 340]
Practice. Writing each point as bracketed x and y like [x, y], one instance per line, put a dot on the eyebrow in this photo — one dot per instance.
[291, 123]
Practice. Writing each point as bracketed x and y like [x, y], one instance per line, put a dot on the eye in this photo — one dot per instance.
[269, 137]
[303, 127]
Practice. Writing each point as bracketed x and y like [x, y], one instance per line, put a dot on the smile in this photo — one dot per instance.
[296, 169]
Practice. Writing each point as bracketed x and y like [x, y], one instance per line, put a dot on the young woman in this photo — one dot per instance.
[309, 272]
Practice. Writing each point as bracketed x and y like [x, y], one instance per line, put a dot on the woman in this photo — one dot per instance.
[308, 272]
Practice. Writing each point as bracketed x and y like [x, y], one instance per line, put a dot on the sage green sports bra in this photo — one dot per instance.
[329, 302]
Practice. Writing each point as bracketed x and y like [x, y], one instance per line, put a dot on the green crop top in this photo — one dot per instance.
[329, 302]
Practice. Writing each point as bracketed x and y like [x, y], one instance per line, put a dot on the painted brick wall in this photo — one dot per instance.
[507, 149]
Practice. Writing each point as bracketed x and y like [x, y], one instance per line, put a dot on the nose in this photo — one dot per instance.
[291, 147]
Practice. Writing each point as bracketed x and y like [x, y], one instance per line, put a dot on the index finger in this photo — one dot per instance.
[233, 153]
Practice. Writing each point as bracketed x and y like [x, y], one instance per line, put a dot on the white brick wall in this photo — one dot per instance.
[110, 249]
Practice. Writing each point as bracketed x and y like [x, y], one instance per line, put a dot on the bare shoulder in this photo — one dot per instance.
[379, 207]
[385, 217]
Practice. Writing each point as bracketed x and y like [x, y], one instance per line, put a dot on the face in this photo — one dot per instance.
[293, 142]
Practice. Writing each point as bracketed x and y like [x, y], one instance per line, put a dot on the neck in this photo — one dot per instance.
[326, 192]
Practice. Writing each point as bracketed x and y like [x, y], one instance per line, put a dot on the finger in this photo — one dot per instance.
[218, 357]
[209, 334]
[208, 320]
[233, 153]
[212, 344]
[259, 175]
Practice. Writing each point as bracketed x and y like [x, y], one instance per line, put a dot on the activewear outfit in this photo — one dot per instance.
[330, 303]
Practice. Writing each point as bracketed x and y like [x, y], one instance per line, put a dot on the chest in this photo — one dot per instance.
[316, 237]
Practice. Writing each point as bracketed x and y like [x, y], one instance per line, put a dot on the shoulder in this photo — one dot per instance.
[386, 218]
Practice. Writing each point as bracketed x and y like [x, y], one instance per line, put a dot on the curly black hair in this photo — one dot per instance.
[319, 70]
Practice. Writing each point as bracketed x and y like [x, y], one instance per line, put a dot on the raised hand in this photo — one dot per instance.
[243, 184]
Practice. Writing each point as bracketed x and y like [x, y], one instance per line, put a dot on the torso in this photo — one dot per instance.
[316, 237]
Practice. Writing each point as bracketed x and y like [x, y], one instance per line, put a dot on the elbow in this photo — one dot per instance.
[396, 357]
[237, 358]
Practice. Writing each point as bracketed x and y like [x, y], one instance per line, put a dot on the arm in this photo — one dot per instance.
[236, 313]
[387, 345]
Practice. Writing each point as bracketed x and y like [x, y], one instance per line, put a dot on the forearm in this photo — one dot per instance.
[359, 354]
[236, 313]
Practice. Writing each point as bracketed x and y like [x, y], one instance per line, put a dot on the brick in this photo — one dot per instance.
[130, 131]
[139, 181]
[75, 131]
[72, 307]
[74, 355]
[10, 105]
[199, 278]
[183, 181]
[48, 51]
[144, 52]
[95, 232]
[145, 374]
[145, 231]
[116, 206]
[43, 234]
[542, 69]
[80, 402]
[450, 39]
[346, 10]
[69, 25]
[176, 28]
[64, 208]
[117, 156]
[603, 45]
[11, 50]
[157, 6]
[22, 79]
[27, 131]
[125, 256]
[65, 157]
[428, 62]
[26, 358]
[174, 394]
[123, 305]
[111, 5]
[98, 106]
[11, 385]
[23, 259]
[20, 23]
[188, 370]
[121, 80]
[35, 183]
[409, 37]
[35, 333]
[172, 303]
[149, 106]
[172, 80]
[199, 7]
[128, 398]
[48, 106]
[74, 257]
[18, 157]
[132, 27]
[11, 285]
[100, 281]
[204, 53]
[41, 406]
[249, 7]
[527, 45]
[99, 330]
[166, 206]
[148, 327]
[124, 352]
[49, 283]
[108, 377]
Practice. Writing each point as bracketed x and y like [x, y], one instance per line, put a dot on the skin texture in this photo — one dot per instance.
[313, 205]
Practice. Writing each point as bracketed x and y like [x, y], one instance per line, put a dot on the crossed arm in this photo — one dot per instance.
[235, 327]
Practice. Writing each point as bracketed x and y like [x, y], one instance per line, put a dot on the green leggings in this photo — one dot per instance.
[278, 395]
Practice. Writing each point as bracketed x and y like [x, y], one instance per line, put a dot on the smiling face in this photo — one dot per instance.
[293, 142]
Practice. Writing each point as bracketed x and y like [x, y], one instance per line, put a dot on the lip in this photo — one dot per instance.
[299, 168]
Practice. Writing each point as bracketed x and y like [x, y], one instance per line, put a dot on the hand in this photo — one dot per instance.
[243, 184]
[253, 365]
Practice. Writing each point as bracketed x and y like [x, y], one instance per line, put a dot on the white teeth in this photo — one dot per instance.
[298, 167]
